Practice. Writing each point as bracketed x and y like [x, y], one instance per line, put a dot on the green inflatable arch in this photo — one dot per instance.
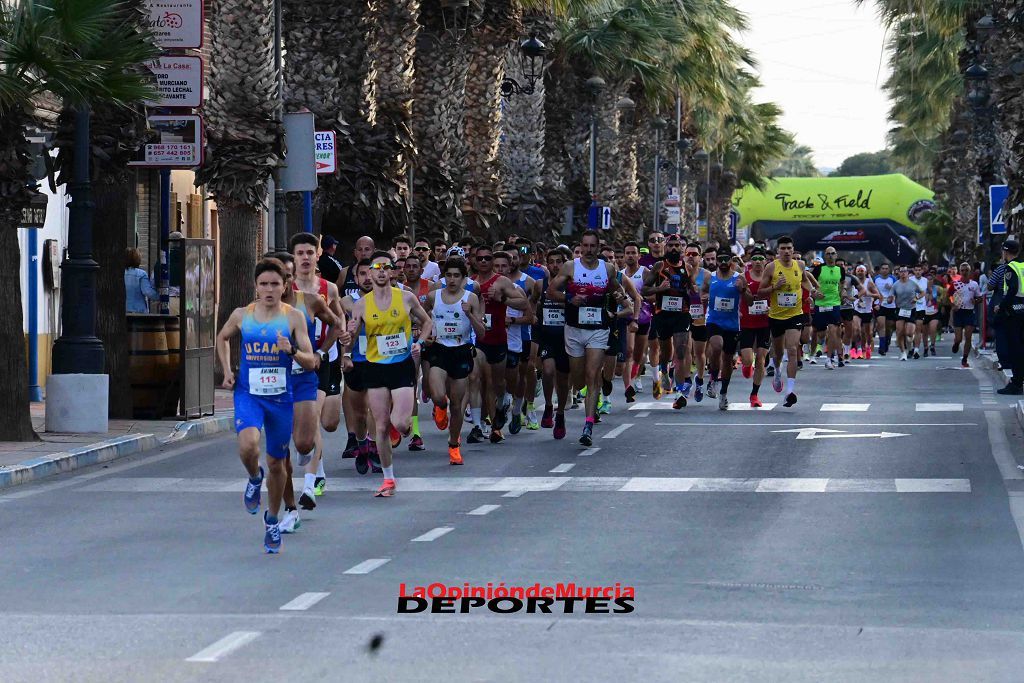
[864, 213]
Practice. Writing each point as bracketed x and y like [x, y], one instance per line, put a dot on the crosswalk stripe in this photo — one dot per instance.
[939, 407]
[747, 406]
[513, 487]
[845, 407]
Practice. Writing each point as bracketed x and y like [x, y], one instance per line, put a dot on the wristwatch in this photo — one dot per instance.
[325, 357]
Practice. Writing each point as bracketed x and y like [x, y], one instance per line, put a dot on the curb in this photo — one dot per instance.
[1020, 413]
[110, 449]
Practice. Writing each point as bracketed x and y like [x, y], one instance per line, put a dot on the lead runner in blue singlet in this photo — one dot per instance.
[273, 334]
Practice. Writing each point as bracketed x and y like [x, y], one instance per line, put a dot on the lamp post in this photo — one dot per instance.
[532, 54]
[659, 124]
[594, 85]
[702, 157]
[978, 97]
[280, 199]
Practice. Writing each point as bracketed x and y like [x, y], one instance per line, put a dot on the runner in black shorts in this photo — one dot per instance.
[550, 338]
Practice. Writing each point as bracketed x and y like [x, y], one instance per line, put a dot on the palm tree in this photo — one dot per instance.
[798, 162]
[86, 53]
[244, 136]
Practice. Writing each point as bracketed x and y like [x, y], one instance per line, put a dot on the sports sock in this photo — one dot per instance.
[415, 425]
[790, 384]
[756, 388]
[700, 381]
[389, 472]
[517, 406]
[663, 366]
[725, 385]
[474, 416]
[529, 406]
[590, 420]
[308, 480]
[320, 469]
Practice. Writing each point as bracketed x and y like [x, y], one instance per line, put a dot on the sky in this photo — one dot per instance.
[823, 62]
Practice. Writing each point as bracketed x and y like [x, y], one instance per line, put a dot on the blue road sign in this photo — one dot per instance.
[594, 216]
[606, 218]
[734, 220]
[997, 195]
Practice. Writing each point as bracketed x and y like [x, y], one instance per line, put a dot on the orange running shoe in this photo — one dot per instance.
[748, 371]
[867, 352]
[755, 401]
[386, 490]
[454, 456]
[396, 438]
[441, 418]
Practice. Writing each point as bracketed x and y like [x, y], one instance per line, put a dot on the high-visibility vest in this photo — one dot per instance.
[1018, 268]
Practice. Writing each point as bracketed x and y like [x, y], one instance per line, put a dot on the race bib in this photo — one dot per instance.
[824, 309]
[451, 331]
[487, 320]
[724, 304]
[590, 315]
[362, 345]
[513, 313]
[759, 307]
[904, 313]
[788, 299]
[267, 381]
[554, 317]
[672, 303]
[392, 344]
[696, 310]
[931, 310]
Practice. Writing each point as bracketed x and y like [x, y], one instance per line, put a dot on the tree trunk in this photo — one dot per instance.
[239, 228]
[112, 216]
[15, 417]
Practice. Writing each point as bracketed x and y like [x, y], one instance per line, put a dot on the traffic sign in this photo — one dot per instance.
[593, 216]
[298, 172]
[734, 221]
[997, 195]
[176, 24]
[606, 218]
[326, 161]
[179, 81]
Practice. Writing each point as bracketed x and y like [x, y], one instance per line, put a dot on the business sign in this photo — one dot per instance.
[997, 195]
[179, 81]
[172, 142]
[672, 216]
[325, 155]
[176, 24]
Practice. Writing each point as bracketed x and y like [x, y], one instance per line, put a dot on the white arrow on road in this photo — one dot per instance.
[819, 433]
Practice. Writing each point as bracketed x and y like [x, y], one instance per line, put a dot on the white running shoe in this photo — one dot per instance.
[777, 382]
[712, 391]
[903, 356]
[290, 523]
[638, 384]
[829, 364]
[723, 402]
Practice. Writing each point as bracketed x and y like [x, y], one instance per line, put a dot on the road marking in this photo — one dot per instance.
[817, 433]
[514, 494]
[939, 407]
[794, 485]
[590, 451]
[563, 468]
[367, 566]
[224, 646]
[433, 534]
[618, 430]
[483, 510]
[303, 602]
[667, 405]
[645, 413]
[1001, 451]
[845, 407]
[933, 486]
[747, 406]
[812, 424]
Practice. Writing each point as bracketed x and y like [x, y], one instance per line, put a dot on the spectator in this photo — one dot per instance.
[137, 287]
[328, 265]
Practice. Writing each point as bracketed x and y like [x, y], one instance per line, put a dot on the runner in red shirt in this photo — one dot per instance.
[755, 335]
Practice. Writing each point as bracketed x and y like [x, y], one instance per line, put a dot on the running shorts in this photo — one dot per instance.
[779, 327]
[329, 377]
[354, 378]
[699, 333]
[552, 346]
[756, 338]
[825, 316]
[493, 353]
[390, 375]
[578, 340]
[512, 359]
[846, 314]
[962, 317]
[272, 415]
[665, 324]
[304, 386]
[617, 340]
[730, 338]
[885, 312]
[906, 318]
[456, 361]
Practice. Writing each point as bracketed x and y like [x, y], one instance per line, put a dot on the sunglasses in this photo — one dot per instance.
[757, 258]
[381, 266]
[422, 249]
[656, 240]
[484, 258]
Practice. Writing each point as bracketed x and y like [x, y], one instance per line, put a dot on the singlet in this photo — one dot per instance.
[638, 281]
[451, 324]
[677, 298]
[389, 331]
[300, 305]
[724, 302]
[964, 294]
[320, 330]
[864, 303]
[786, 302]
[349, 285]
[922, 282]
[592, 285]
[931, 306]
[884, 287]
[263, 369]
[850, 283]
[550, 313]
[359, 352]
[494, 315]
[514, 332]
[753, 316]
[829, 279]
[696, 305]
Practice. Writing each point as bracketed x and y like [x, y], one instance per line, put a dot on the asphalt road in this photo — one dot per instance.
[757, 551]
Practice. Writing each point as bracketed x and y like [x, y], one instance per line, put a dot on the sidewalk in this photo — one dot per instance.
[22, 462]
[989, 355]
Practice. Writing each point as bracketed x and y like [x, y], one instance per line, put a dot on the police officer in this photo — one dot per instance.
[1011, 312]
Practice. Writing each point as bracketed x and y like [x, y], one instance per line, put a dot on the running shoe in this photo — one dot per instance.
[416, 443]
[698, 392]
[630, 394]
[515, 425]
[363, 459]
[813, 361]
[476, 435]
[656, 391]
[723, 402]
[840, 363]
[769, 371]
[867, 353]
[903, 355]
[712, 389]
[440, 418]
[531, 420]
[925, 354]
[777, 383]
[252, 494]
[559, 431]
[829, 363]
[290, 523]
[374, 455]
[501, 411]
[606, 386]
[680, 402]
[790, 400]
[1011, 389]
[548, 421]
[666, 382]
[396, 438]
[307, 501]
[964, 363]
[386, 490]
[497, 436]
[351, 447]
[454, 455]
[933, 352]
[817, 351]
[755, 401]
[587, 437]
[748, 371]
[319, 486]
[638, 383]
[604, 406]
[956, 347]
[272, 537]
[687, 385]
[799, 364]
[917, 355]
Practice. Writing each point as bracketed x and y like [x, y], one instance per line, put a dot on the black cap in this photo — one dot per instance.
[326, 242]
[1011, 245]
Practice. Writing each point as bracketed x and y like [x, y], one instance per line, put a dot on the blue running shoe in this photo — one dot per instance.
[685, 387]
[272, 539]
[252, 494]
[698, 393]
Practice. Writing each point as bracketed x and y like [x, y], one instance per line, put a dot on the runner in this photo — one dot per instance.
[699, 272]
[723, 291]
[755, 336]
[827, 317]
[964, 293]
[905, 294]
[784, 280]
[885, 315]
[347, 280]
[357, 410]
[457, 314]
[262, 391]
[655, 252]
[920, 309]
[636, 342]
[431, 271]
[554, 360]
[863, 313]
[517, 327]
[622, 326]
[387, 313]
[670, 284]
[585, 285]
[421, 287]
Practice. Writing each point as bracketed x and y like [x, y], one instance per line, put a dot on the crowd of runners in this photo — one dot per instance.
[515, 335]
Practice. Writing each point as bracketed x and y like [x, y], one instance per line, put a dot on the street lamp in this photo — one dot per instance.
[659, 124]
[532, 54]
[455, 15]
[594, 85]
